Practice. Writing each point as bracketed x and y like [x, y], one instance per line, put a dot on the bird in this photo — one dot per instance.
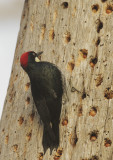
[47, 90]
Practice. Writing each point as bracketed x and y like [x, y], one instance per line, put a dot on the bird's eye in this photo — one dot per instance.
[33, 53]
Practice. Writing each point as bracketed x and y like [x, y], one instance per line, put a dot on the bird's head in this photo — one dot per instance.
[28, 57]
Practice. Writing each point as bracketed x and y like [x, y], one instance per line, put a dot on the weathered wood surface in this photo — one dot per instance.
[77, 36]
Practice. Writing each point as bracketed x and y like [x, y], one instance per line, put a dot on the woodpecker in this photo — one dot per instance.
[47, 91]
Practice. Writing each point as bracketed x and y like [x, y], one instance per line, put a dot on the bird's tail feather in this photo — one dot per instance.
[50, 137]
[55, 128]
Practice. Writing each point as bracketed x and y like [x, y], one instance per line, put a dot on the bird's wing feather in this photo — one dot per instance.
[42, 109]
[45, 116]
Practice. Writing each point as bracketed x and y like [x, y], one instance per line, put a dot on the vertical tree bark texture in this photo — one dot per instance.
[77, 36]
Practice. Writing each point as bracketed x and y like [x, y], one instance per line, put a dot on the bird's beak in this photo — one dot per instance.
[37, 59]
[39, 53]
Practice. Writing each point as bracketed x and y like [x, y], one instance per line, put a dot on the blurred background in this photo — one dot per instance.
[10, 16]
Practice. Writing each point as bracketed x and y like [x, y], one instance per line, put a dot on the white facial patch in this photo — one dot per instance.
[37, 59]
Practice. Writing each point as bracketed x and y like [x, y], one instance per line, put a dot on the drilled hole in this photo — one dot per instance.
[6, 139]
[93, 135]
[95, 8]
[32, 116]
[83, 53]
[73, 138]
[3, 131]
[64, 5]
[99, 80]
[51, 34]
[94, 158]
[65, 122]
[67, 37]
[27, 86]
[99, 26]
[25, 26]
[103, 0]
[93, 62]
[42, 34]
[84, 95]
[40, 156]
[16, 77]
[15, 147]
[27, 100]
[70, 66]
[98, 41]
[58, 154]
[109, 9]
[107, 142]
[80, 110]
[108, 93]
[28, 136]
[21, 120]
[93, 111]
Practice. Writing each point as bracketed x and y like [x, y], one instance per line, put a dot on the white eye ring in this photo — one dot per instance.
[37, 59]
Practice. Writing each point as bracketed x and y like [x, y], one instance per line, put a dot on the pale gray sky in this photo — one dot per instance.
[10, 15]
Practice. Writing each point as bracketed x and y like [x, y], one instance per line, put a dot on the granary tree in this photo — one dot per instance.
[77, 37]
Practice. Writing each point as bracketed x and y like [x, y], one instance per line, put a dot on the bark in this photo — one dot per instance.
[76, 36]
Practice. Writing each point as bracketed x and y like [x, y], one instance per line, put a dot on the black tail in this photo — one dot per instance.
[55, 128]
[51, 137]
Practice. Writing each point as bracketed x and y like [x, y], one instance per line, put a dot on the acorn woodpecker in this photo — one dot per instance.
[47, 90]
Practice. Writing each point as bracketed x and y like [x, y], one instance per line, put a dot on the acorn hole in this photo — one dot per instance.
[3, 131]
[70, 66]
[97, 42]
[28, 136]
[103, 1]
[80, 110]
[40, 156]
[93, 62]
[25, 27]
[6, 139]
[27, 100]
[16, 77]
[93, 135]
[65, 122]
[27, 86]
[73, 138]
[99, 26]
[32, 116]
[98, 80]
[109, 9]
[64, 5]
[95, 8]
[84, 53]
[21, 120]
[51, 34]
[15, 147]
[107, 142]
[93, 111]
[67, 37]
[94, 158]
[58, 154]
[84, 95]
[108, 94]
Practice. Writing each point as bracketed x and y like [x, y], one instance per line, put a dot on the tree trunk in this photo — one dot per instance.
[77, 37]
